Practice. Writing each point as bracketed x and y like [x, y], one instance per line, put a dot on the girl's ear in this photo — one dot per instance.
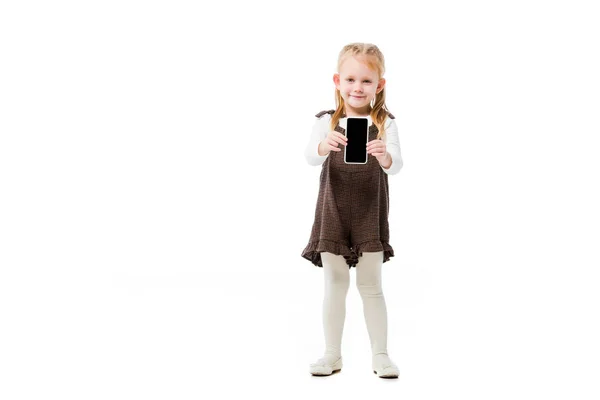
[336, 81]
[380, 85]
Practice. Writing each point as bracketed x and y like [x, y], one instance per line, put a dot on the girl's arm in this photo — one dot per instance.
[393, 148]
[319, 133]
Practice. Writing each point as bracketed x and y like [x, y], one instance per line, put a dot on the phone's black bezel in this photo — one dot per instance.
[366, 133]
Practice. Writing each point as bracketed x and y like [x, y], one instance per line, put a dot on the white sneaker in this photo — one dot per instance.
[324, 366]
[384, 367]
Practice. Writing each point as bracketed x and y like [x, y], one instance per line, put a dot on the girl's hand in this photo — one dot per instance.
[377, 148]
[331, 142]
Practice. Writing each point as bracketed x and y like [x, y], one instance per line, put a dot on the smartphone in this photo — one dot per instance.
[357, 133]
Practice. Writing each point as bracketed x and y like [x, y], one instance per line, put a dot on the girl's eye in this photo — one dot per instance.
[350, 79]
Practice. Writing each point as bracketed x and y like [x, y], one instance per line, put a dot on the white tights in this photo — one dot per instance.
[368, 282]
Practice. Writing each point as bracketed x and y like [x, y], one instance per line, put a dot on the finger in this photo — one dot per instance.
[340, 141]
[334, 146]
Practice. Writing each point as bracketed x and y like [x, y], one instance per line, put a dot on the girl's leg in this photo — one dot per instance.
[337, 281]
[368, 281]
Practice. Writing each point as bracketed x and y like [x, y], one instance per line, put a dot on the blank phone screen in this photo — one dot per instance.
[357, 134]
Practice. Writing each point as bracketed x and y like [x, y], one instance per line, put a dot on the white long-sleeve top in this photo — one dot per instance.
[321, 129]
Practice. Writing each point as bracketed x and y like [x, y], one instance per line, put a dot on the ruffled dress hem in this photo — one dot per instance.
[312, 252]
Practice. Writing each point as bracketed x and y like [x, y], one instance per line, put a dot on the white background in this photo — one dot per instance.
[155, 199]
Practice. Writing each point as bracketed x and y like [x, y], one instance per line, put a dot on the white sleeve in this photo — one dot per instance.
[319, 132]
[393, 148]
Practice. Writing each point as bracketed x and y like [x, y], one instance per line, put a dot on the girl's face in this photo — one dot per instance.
[358, 85]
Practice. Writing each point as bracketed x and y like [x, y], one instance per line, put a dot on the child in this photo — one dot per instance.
[351, 219]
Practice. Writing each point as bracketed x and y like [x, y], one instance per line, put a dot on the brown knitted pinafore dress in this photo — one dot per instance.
[351, 216]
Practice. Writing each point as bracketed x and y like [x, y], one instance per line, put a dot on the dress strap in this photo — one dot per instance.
[320, 114]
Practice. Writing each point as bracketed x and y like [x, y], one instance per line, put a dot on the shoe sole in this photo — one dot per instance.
[393, 376]
[332, 372]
